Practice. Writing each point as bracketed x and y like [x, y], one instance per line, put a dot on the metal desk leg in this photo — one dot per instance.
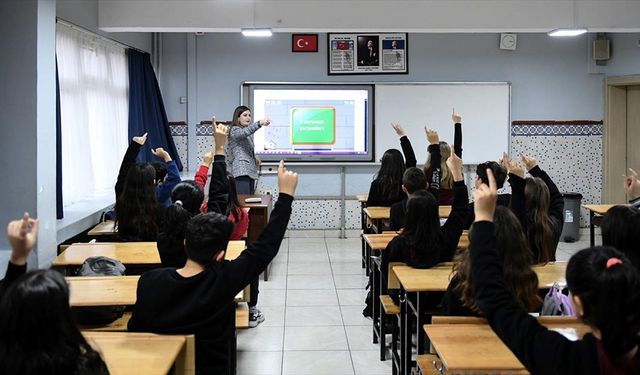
[592, 232]
[404, 332]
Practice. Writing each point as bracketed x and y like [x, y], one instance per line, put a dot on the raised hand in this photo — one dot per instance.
[220, 134]
[455, 166]
[455, 117]
[432, 136]
[161, 153]
[265, 122]
[484, 199]
[141, 139]
[22, 235]
[529, 161]
[631, 184]
[207, 158]
[399, 131]
[287, 180]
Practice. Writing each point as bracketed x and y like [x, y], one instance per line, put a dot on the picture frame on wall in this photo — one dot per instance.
[367, 53]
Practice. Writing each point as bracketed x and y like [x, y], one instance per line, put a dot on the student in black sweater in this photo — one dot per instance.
[500, 173]
[538, 204]
[621, 229]
[198, 298]
[412, 181]
[423, 242]
[386, 189]
[37, 331]
[605, 290]
[446, 179]
[519, 277]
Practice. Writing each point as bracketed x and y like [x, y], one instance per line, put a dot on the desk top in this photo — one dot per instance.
[378, 242]
[104, 228]
[437, 279]
[362, 197]
[265, 203]
[136, 353]
[600, 209]
[377, 213]
[102, 290]
[142, 253]
[476, 348]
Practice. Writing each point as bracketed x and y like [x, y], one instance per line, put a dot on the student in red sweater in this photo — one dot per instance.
[198, 298]
[605, 290]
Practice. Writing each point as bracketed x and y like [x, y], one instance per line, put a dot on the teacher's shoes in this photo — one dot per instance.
[255, 317]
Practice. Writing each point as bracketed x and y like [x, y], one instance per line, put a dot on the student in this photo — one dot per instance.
[519, 277]
[37, 331]
[500, 174]
[446, 180]
[538, 205]
[187, 198]
[198, 298]
[632, 187]
[244, 163]
[412, 180]
[166, 174]
[386, 188]
[424, 243]
[621, 229]
[605, 290]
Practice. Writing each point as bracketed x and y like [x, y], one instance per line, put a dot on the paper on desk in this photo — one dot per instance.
[569, 333]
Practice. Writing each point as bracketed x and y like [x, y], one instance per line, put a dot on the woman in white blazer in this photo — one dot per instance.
[244, 163]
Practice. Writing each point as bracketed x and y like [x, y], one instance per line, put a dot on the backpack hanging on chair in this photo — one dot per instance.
[557, 303]
[100, 266]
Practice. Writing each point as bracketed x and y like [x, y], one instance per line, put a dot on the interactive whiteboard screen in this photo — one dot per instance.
[313, 123]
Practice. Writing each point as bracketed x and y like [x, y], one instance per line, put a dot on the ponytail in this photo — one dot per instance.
[609, 287]
[187, 198]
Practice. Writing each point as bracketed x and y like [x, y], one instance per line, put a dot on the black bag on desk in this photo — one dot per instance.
[100, 266]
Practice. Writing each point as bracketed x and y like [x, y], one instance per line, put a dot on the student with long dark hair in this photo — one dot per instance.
[424, 243]
[538, 204]
[386, 188]
[244, 163]
[500, 174]
[37, 331]
[519, 277]
[187, 198]
[605, 290]
[621, 229]
[446, 178]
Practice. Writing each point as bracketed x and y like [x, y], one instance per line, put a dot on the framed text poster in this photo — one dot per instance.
[368, 53]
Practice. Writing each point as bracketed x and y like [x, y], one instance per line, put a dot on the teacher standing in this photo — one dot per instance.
[244, 163]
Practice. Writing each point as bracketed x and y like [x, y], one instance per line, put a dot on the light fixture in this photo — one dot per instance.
[567, 32]
[257, 32]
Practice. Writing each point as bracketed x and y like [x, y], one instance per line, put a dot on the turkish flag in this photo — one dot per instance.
[305, 43]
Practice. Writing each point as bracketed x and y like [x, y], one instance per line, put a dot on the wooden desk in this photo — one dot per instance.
[259, 214]
[139, 353]
[436, 279]
[104, 228]
[102, 290]
[444, 211]
[129, 253]
[475, 348]
[362, 198]
[596, 211]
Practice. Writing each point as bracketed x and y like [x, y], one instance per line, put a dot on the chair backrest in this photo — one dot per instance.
[392, 280]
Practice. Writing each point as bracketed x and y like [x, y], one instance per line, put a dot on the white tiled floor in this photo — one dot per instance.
[313, 305]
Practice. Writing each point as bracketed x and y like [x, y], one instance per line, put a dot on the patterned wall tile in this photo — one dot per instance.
[179, 133]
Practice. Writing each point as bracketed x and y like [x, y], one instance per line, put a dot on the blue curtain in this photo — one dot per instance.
[59, 205]
[146, 108]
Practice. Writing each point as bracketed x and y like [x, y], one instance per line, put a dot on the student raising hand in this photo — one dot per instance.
[455, 166]
[161, 153]
[529, 161]
[220, 134]
[456, 117]
[399, 131]
[432, 136]
[22, 235]
[512, 166]
[632, 185]
[484, 198]
[141, 139]
[287, 180]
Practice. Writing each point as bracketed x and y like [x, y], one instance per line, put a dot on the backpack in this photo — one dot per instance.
[557, 303]
[100, 266]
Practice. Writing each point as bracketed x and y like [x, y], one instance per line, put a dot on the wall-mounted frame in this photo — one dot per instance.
[304, 43]
[367, 53]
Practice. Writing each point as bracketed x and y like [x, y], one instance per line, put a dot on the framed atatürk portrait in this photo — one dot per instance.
[367, 53]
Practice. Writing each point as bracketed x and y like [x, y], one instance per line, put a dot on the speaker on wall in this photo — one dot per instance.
[601, 49]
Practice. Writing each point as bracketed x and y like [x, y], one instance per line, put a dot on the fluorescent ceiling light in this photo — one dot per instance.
[256, 32]
[567, 32]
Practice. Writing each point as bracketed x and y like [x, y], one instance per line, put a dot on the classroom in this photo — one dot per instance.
[82, 78]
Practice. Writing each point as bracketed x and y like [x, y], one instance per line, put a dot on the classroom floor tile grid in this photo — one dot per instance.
[313, 305]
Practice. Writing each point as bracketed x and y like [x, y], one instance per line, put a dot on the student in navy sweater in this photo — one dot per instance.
[198, 298]
[605, 290]
[412, 181]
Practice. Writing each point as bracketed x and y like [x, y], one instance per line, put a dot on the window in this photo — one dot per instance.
[94, 106]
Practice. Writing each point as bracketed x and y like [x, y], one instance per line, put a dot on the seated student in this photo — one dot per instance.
[621, 229]
[538, 205]
[386, 188]
[446, 180]
[424, 243]
[166, 175]
[604, 288]
[198, 298]
[519, 277]
[412, 180]
[500, 173]
[632, 187]
[37, 331]
[187, 197]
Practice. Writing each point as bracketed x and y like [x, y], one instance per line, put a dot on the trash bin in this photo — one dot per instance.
[571, 227]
